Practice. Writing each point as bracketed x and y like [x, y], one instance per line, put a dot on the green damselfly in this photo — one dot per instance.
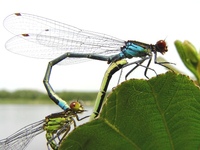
[56, 126]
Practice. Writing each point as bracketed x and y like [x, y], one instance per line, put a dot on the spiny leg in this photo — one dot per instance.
[162, 63]
[147, 67]
[138, 63]
[66, 132]
[136, 67]
[79, 119]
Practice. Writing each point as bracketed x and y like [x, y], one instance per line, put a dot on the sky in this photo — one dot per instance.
[144, 20]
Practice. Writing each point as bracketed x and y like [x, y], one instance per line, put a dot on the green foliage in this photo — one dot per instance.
[32, 96]
[22, 94]
[4, 94]
[160, 113]
[77, 95]
[29, 94]
[189, 56]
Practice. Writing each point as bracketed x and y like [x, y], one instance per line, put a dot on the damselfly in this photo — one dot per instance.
[45, 38]
[56, 125]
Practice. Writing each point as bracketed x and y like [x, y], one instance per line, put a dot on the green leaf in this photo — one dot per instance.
[160, 113]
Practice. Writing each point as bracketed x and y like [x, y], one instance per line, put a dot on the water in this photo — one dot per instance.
[14, 117]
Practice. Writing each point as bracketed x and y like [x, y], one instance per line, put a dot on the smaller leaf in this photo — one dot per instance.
[189, 56]
[191, 52]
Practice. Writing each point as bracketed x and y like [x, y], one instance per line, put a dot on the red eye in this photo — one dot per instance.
[161, 46]
[72, 105]
[76, 106]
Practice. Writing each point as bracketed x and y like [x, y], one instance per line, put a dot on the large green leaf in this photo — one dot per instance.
[160, 113]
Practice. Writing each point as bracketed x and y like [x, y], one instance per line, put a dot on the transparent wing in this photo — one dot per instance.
[20, 139]
[44, 38]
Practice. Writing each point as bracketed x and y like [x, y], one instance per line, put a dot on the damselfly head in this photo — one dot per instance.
[161, 46]
[76, 106]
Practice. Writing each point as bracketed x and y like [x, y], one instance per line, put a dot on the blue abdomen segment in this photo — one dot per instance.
[130, 50]
[133, 50]
[63, 104]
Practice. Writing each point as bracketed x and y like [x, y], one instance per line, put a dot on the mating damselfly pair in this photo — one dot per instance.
[45, 38]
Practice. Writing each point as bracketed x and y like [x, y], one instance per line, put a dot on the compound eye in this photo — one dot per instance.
[76, 106]
[161, 46]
